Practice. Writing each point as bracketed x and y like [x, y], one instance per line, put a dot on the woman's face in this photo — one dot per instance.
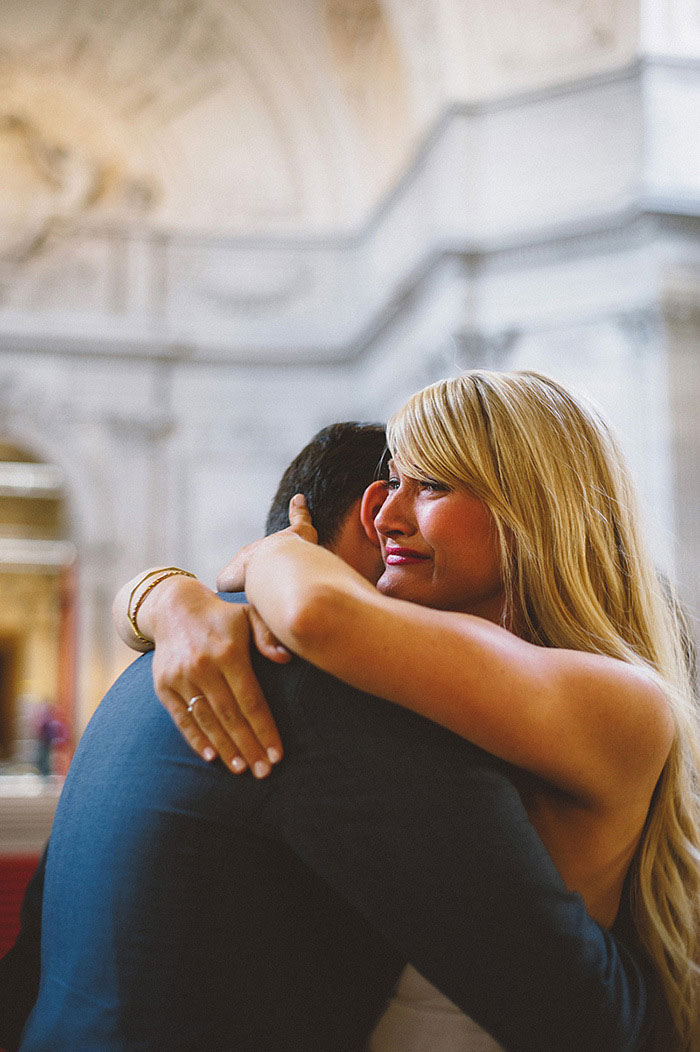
[440, 548]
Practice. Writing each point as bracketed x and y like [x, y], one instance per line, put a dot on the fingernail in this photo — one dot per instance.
[299, 500]
[274, 755]
[209, 754]
[261, 769]
[238, 764]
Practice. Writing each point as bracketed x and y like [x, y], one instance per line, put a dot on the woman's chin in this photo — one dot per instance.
[399, 586]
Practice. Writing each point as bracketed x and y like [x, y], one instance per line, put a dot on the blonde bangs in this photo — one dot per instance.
[432, 440]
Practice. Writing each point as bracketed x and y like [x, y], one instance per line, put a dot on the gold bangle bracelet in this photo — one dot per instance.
[159, 575]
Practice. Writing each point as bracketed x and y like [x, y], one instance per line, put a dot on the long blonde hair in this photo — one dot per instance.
[577, 573]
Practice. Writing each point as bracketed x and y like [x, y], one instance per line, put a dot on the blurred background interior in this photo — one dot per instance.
[226, 223]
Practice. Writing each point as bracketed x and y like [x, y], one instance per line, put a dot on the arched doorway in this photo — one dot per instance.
[37, 574]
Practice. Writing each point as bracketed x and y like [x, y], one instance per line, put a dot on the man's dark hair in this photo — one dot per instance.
[332, 471]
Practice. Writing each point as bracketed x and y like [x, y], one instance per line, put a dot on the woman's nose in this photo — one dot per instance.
[393, 516]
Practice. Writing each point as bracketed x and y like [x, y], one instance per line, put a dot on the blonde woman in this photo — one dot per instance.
[519, 609]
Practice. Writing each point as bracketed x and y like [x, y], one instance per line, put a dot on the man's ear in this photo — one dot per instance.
[372, 500]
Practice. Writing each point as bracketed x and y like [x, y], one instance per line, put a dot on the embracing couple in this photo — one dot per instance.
[455, 805]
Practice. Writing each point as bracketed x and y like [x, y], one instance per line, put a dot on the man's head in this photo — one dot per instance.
[333, 471]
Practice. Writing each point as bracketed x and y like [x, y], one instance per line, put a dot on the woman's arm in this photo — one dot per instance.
[203, 651]
[201, 668]
[595, 727]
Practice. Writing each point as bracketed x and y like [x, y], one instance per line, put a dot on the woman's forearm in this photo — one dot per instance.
[585, 723]
[120, 613]
[159, 598]
[202, 671]
[304, 593]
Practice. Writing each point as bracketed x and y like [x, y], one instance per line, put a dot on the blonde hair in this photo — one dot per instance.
[577, 575]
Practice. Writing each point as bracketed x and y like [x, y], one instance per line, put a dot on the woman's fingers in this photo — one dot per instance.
[251, 712]
[187, 725]
[236, 744]
[232, 691]
[267, 643]
[202, 673]
[238, 728]
[300, 519]
[232, 577]
[205, 681]
[234, 717]
[227, 749]
[245, 734]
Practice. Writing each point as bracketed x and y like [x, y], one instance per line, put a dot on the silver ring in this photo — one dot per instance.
[193, 701]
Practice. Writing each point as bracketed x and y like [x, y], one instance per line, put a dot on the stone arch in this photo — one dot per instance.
[55, 432]
[40, 433]
[37, 611]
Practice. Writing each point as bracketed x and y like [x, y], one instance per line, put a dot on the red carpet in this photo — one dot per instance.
[15, 871]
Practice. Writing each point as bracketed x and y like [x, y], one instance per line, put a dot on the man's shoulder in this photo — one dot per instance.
[130, 699]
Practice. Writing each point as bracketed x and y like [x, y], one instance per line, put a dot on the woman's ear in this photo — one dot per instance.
[372, 500]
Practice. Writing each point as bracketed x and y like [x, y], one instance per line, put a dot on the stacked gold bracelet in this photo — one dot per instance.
[136, 598]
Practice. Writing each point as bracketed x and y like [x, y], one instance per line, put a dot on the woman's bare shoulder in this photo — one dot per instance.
[625, 706]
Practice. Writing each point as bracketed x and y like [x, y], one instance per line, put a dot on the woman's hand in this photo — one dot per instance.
[201, 667]
[232, 577]
[203, 674]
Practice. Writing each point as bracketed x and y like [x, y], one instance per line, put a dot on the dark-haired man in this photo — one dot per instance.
[166, 926]
[332, 471]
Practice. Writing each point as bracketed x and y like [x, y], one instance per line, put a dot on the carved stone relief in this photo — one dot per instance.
[156, 58]
[370, 72]
[416, 24]
[111, 113]
[49, 182]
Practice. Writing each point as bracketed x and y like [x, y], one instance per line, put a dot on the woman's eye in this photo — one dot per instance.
[393, 483]
[433, 487]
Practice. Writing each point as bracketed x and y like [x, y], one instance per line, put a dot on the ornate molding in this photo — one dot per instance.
[271, 288]
[370, 70]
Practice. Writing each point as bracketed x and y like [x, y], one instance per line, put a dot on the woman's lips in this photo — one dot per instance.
[403, 556]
